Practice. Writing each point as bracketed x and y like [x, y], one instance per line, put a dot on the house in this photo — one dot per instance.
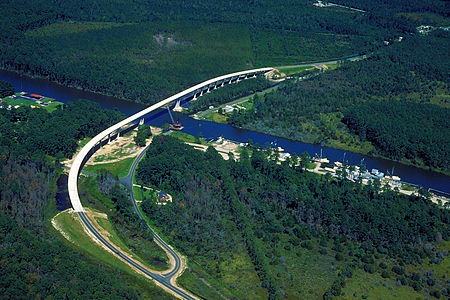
[228, 109]
[163, 197]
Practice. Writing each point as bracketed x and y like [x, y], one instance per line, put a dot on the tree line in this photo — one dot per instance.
[280, 205]
[386, 92]
[126, 61]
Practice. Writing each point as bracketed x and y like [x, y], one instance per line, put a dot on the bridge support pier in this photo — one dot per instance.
[141, 121]
[109, 138]
[118, 133]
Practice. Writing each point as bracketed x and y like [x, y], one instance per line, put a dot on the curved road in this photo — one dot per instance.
[128, 182]
[109, 133]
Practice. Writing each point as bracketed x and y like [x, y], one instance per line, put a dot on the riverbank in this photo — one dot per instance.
[321, 166]
[222, 113]
[358, 150]
[211, 130]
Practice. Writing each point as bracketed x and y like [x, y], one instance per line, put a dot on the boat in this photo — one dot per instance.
[176, 126]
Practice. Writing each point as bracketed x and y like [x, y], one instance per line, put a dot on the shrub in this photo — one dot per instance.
[339, 256]
[398, 270]
[385, 274]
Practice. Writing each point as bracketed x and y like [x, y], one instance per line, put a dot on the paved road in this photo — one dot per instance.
[163, 279]
[114, 130]
[317, 63]
[128, 182]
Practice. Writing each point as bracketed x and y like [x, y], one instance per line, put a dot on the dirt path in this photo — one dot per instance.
[117, 150]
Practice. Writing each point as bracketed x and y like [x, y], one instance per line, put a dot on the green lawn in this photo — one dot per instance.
[119, 168]
[215, 117]
[140, 194]
[25, 102]
[185, 137]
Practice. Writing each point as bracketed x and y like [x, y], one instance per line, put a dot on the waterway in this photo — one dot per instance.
[210, 130]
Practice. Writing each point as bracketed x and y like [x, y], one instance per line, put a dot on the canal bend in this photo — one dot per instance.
[113, 132]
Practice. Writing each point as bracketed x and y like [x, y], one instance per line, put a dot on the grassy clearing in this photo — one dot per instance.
[278, 48]
[142, 247]
[373, 286]
[302, 273]
[141, 194]
[17, 101]
[428, 18]
[223, 278]
[119, 168]
[296, 70]
[215, 117]
[213, 280]
[203, 288]
[185, 137]
[440, 271]
[122, 240]
[74, 231]
[90, 195]
[237, 274]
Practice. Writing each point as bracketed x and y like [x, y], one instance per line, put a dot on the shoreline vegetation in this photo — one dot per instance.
[223, 119]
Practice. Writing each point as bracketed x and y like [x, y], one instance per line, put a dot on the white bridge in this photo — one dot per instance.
[113, 131]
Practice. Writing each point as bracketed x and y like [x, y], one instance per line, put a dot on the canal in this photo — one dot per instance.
[210, 130]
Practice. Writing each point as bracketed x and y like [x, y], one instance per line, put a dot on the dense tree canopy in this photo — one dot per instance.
[40, 268]
[6, 89]
[27, 132]
[266, 200]
[389, 89]
[146, 50]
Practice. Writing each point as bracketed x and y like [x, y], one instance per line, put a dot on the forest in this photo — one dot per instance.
[36, 263]
[400, 92]
[272, 230]
[6, 89]
[281, 206]
[146, 50]
[414, 131]
[37, 267]
[30, 133]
